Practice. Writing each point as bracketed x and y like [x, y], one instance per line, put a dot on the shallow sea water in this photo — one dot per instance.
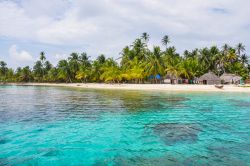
[71, 126]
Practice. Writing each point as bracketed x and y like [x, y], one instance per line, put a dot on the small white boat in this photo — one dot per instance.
[220, 86]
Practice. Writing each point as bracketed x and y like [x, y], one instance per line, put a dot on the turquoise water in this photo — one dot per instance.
[62, 126]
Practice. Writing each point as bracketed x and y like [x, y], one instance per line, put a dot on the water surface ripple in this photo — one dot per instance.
[62, 126]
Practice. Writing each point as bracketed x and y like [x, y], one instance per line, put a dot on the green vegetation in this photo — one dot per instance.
[138, 64]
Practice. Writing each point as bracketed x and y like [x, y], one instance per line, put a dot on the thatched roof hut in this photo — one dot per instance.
[171, 78]
[247, 81]
[209, 78]
[230, 78]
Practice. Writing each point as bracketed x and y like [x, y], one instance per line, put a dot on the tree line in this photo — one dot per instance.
[137, 64]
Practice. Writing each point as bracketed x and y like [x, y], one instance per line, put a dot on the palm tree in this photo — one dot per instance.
[126, 55]
[10, 75]
[96, 71]
[73, 56]
[225, 49]
[231, 56]
[165, 41]
[26, 74]
[110, 71]
[64, 71]
[112, 74]
[84, 60]
[41, 68]
[172, 66]
[138, 63]
[223, 57]
[145, 37]
[219, 63]
[53, 74]
[83, 57]
[155, 64]
[214, 58]
[74, 64]
[3, 69]
[47, 66]
[101, 59]
[3, 64]
[137, 73]
[189, 68]
[82, 74]
[138, 50]
[42, 56]
[38, 71]
[171, 52]
[244, 59]
[240, 48]
[135, 70]
[42, 59]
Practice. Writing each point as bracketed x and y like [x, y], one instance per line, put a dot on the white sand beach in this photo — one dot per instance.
[154, 87]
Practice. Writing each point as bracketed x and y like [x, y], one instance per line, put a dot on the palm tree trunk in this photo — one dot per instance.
[70, 80]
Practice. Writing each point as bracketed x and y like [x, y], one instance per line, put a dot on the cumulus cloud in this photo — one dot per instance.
[20, 56]
[66, 32]
[105, 26]
[61, 56]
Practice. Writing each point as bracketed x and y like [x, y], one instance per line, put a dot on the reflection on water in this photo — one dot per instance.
[63, 126]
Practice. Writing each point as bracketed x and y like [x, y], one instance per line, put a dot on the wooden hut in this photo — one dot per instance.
[171, 79]
[247, 81]
[209, 79]
[227, 78]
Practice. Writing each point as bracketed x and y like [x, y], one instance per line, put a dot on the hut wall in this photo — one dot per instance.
[212, 82]
[247, 81]
[167, 81]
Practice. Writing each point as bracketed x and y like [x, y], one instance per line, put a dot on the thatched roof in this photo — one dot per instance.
[230, 77]
[209, 76]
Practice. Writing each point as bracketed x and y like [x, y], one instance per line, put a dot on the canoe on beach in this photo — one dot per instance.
[219, 86]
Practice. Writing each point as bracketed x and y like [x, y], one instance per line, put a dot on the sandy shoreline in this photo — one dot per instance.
[155, 87]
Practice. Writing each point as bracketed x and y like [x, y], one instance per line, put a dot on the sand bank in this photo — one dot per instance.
[155, 87]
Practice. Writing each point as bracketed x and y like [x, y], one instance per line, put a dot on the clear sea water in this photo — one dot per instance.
[63, 126]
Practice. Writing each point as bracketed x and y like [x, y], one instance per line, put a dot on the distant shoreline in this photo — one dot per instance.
[150, 87]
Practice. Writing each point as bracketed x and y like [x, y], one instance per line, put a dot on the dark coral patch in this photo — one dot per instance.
[52, 152]
[3, 141]
[206, 109]
[239, 103]
[172, 133]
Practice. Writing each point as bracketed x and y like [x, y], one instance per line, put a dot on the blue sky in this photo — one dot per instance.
[59, 27]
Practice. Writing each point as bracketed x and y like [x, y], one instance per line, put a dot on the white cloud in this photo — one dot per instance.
[20, 56]
[15, 23]
[61, 56]
[67, 32]
[105, 26]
